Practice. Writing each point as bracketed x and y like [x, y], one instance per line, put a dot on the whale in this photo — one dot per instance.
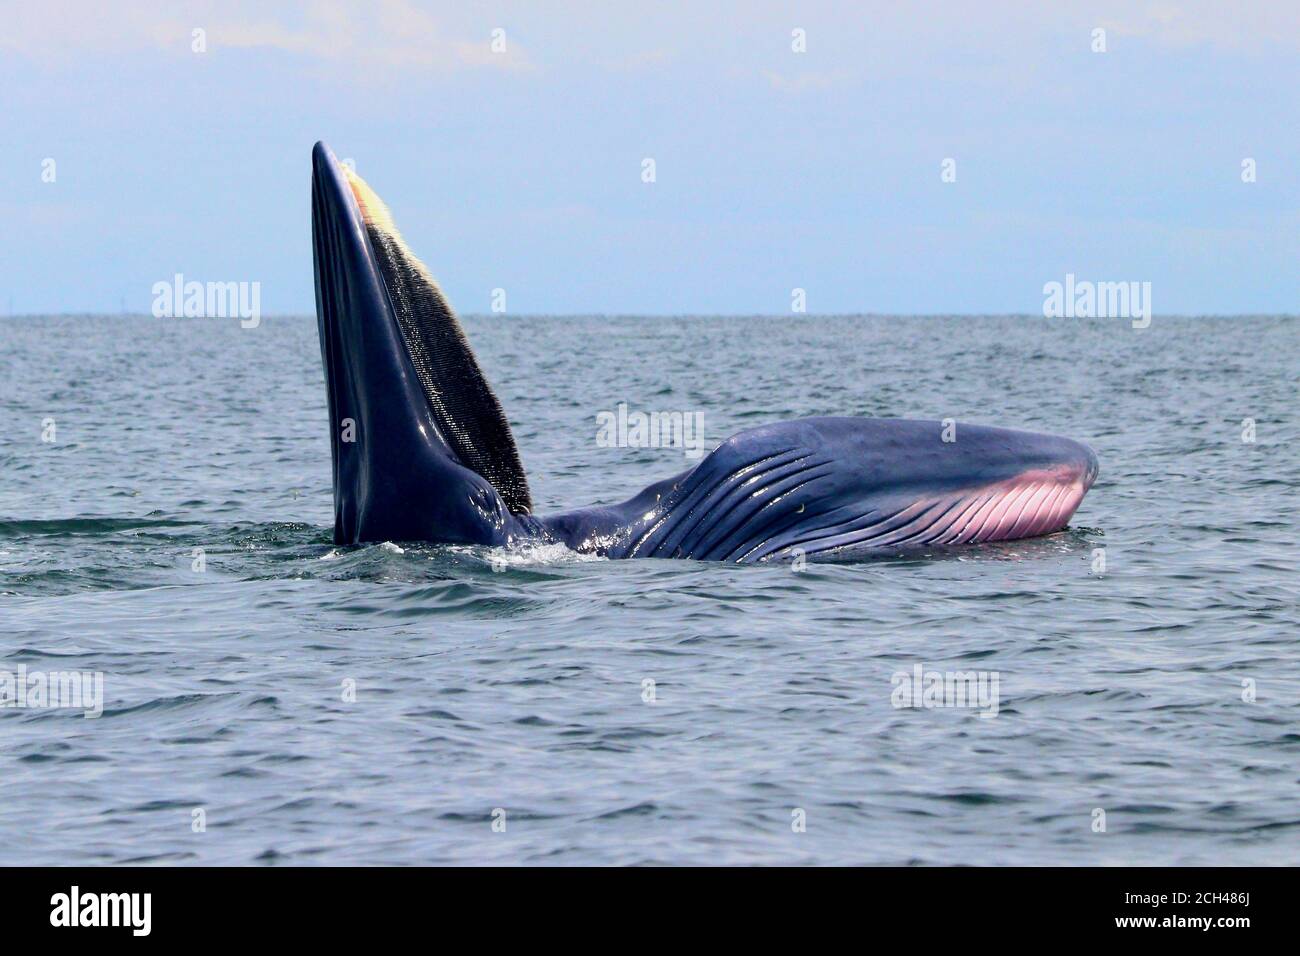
[422, 450]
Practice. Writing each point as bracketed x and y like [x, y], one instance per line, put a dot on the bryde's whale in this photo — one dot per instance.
[422, 450]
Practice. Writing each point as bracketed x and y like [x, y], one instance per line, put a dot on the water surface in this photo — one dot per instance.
[520, 683]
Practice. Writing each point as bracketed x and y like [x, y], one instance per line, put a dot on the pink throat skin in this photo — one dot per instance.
[1030, 504]
[1033, 503]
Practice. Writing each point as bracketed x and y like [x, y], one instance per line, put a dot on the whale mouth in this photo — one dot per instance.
[397, 362]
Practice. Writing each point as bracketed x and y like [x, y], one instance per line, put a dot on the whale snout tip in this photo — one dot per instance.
[322, 157]
[1089, 467]
[1076, 464]
[1070, 461]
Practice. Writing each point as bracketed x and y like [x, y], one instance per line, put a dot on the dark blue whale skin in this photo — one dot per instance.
[827, 488]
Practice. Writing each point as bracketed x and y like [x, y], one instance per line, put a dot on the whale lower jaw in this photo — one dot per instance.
[1030, 505]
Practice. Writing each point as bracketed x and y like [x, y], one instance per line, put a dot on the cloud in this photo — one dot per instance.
[397, 35]
[393, 34]
[805, 81]
[1242, 27]
[641, 60]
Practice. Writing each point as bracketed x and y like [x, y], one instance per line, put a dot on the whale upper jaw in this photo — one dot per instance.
[420, 447]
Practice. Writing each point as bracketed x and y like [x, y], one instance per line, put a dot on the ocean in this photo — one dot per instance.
[270, 698]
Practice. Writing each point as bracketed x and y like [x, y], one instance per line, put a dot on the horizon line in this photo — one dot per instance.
[800, 316]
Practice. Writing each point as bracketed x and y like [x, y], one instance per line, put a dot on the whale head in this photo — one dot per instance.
[422, 450]
[421, 447]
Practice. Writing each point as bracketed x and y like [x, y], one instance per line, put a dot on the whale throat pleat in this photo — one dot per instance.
[465, 409]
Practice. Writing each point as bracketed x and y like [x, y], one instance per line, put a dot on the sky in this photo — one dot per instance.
[775, 169]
